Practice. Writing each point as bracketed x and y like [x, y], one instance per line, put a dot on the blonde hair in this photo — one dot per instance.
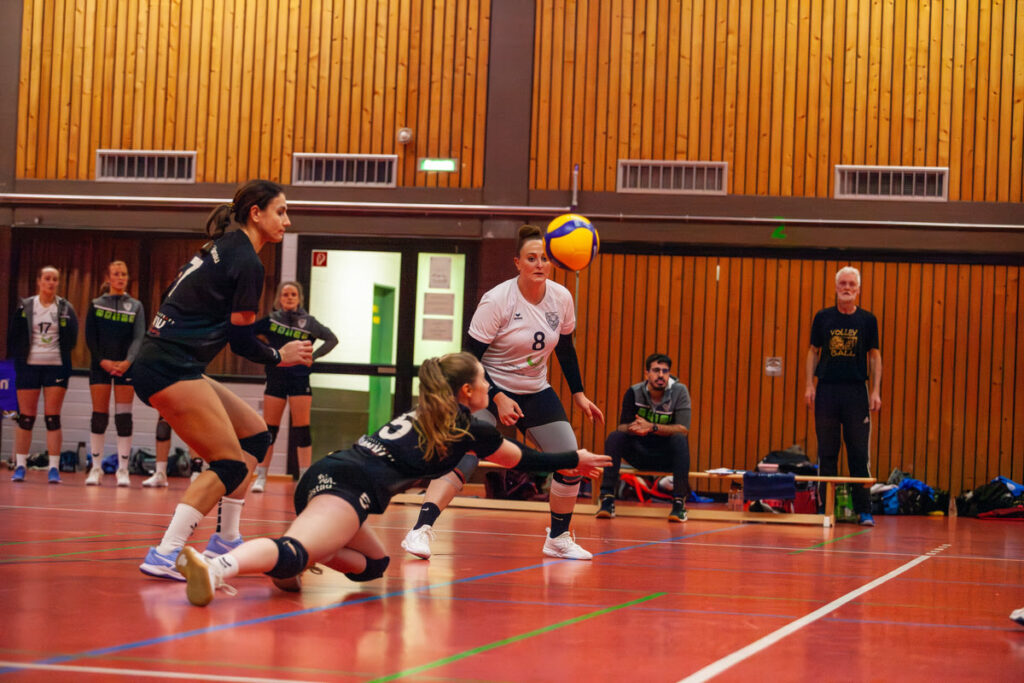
[440, 380]
[280, 288]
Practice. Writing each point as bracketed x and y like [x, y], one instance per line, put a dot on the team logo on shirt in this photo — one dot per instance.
[364, 501]
[517, 316]
[301, 322]
[552, 319]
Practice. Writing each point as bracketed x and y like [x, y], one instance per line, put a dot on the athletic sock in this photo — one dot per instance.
[428, 515]
[161, 467]
[261, 472]
[302, 471]
[96, 446]
[229, 514]
[226, 564]
[560, 523]
[124, 450]
[54, 461]
[183, 523]
[21, 459]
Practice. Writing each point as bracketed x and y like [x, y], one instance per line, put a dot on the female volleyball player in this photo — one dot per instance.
[290, 321]
[114, 329]
[516, 327]
[337, 494]
[213, 302]
[40, 339]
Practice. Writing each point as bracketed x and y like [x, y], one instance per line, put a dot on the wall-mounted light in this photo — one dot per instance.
[404, 136]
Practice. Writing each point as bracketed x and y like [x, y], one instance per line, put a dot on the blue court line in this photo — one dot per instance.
[313, 610]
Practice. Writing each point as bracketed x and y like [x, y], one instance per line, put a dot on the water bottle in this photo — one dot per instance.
[844, 504]
[736, 496]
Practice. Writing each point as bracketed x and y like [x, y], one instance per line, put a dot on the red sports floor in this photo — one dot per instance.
[914, 599]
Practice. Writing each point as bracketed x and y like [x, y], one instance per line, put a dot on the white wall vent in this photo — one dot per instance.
[344, 170]
[920, 183]
[145, 166]
[673, 177]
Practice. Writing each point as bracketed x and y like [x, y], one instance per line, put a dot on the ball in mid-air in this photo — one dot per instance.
[571, 241]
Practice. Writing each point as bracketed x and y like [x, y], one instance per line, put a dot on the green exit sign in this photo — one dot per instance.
[439, 165]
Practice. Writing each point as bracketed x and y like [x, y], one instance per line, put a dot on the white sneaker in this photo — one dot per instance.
[123, 479]
[564, 546]
[418, 541]
[158, 479]
[94, 476]
[202, 578]
[1018, 616]
[261, 483]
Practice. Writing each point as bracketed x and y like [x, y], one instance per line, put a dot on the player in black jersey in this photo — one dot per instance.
[114, 329]
[337, 494]
[212, 303]
[287, 322]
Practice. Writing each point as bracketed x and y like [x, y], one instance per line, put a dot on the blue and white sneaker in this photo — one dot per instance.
[866, 519]
[218, 545]
[19, 473]
[53, 476]
[160, 565]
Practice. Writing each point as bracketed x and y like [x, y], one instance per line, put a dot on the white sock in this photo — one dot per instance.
[124, 450]
[54, 461]
[183, 523]
[226, 565]
[230, 514]
[96, 448]
[261, 472]
[302, 471]
[161, 467]
[21, 459]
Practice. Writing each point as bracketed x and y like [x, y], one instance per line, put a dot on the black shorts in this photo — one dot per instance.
[38, 376]
[98, 375]
[161, 364]
[342, 474]
[282, 383]
[541, 408]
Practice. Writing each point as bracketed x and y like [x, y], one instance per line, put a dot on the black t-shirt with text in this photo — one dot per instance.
[196, 311]
[844, 341]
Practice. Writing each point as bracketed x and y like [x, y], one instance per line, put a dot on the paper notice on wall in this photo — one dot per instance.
[438, 304]
[440, 272]
[437, 329]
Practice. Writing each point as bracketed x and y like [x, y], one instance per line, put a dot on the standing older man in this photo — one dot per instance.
[844, 353]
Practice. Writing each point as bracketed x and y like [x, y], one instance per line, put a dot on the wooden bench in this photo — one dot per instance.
[826, 520]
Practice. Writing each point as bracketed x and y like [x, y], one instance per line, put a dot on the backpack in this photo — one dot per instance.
[788, 461]
[991, 496]
[510, 485]
[178, 463]
[68, 461]
[141, 461]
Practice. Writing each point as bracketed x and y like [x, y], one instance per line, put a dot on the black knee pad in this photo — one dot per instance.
[257, 445]
[273, 429]
[26, 421]
[374, 569]
[291, 558]
[98, 423]
[123, 424]
[230, 472]
[302, 437]
[568, 481]
[52, 422]
[163, 430]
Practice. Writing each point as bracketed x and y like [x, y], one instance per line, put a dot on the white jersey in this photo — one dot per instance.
[45, 348]
[521, 335]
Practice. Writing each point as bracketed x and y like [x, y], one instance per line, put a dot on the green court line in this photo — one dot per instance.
[824, 543]
[54, 540]
[513, 639]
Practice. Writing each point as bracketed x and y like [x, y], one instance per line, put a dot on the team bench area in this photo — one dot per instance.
[640, 510]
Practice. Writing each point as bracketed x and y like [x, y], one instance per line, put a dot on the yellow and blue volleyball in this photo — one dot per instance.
[571, 241]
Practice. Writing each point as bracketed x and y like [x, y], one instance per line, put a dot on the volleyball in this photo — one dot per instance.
[571, 241]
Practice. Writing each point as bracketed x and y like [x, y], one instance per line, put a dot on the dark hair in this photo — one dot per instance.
[253, 193]
[289, 283]
[440, 379]
[657, 358]
[527, 233]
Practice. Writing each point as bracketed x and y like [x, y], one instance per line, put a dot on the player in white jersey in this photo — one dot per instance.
[517, 326]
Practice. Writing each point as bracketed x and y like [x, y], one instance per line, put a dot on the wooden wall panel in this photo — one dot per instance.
[246, 83]
[950, 339]
[782, 90]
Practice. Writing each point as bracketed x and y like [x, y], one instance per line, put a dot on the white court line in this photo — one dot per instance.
[715, 668]
[143, 672]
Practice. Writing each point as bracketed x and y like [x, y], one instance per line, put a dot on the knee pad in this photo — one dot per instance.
[466, 467]
[273, 429]
[257, 445]
[26, 421]
[123, 424]
[98, 423]
[302, 437]
[163, 430]
[230, 472]
[565, 487]
[291, 558]
[52, 422]
[374, 570]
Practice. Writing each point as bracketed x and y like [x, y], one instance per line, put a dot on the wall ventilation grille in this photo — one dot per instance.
[673, 177]
[344, 170]
[145, 166]
[920, 183]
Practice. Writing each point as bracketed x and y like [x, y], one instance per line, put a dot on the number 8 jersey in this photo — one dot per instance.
[521, 335]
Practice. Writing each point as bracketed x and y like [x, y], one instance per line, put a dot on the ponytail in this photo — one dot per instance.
[440, 379]
[257, 193]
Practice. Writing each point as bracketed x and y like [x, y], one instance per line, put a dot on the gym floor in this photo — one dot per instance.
[913, 599]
